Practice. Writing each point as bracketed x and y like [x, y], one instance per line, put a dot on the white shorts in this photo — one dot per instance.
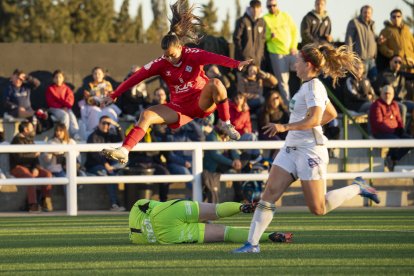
[303, 163]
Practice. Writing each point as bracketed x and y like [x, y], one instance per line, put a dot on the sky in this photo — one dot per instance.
[340, 11]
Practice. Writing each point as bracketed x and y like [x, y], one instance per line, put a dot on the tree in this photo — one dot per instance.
[11, 21]
[159, 26]
[48, 21]
[123, 26]
[91, 20]
[225, 29]
[139, 26]
[209, 18]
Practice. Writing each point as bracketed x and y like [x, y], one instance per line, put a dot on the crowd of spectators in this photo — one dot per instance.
[260, 96]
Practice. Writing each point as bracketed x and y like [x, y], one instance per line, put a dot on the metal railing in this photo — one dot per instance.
[72, 180]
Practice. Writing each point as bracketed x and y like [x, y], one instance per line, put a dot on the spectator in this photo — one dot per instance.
[160, 96]
[17, 95]
[97, 164]
[135, 97]
[359, 93]
[398, 40]
[251, 84]
[56, 162]
[316, 26]
[360, 37]
[26, 165]
[386, 123]
[273, 111]
[240, 114]
[91, 106]
[180, 162]
[249, 36]
[60, 99]
[397, 79]
[213, 71]
[281, 42]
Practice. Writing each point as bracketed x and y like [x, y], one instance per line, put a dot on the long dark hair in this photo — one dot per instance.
[184, 26]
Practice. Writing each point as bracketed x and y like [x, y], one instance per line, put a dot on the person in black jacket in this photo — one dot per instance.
[26, 165]
[249, 35]
[97, 164]
[316, 26]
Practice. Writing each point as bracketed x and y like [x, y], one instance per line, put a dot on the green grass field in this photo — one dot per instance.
[352, 242]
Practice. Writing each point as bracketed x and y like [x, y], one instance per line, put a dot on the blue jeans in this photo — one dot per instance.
[112, 188]
[371, 69]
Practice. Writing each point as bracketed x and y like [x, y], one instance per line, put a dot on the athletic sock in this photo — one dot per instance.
[232, 234]
[134, 136]
[223, 110]
[227, 209]
[335, 198]
[261, 219]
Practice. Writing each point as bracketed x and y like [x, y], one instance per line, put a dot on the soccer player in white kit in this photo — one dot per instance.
[304, 154]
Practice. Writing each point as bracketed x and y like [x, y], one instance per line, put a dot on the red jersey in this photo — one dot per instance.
[59, 96]
[184, 79]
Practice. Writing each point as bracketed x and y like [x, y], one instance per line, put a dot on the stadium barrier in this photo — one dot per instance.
[72, 180]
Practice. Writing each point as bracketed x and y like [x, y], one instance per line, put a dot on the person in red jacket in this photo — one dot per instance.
[60, 99]
[386, 123]
[240, 114]
[192, 93]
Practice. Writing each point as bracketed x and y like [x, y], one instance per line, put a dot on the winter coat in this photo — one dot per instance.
[315, 28]
[360, 37]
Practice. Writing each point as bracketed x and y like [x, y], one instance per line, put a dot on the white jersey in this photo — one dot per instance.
[311, 93]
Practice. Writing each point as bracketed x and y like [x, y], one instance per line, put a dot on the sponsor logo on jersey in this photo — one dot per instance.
[168, 73]
[184, 88]
[188, 68]
[181, 80]
[149, 231]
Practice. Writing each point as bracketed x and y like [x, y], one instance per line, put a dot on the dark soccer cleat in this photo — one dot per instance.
[248, 207]
[281, 237]
[247, 248]
[116, 154]
[366, 190]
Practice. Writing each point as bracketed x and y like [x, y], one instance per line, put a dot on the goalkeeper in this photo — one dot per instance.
[184, 221]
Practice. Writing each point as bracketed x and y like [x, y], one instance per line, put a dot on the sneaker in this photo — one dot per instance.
[34, 208]
[248, 207]
[281, 237]
[116, 154]
[389, 163]
[230, 131]
[117, 208]
[247, 248]
[366, 190]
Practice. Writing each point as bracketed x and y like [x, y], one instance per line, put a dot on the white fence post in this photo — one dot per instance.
[72, 187]
[197, 170]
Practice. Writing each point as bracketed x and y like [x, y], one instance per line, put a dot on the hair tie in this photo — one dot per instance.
[173, 33]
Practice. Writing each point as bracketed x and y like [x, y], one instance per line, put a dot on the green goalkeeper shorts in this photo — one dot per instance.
[178, 223]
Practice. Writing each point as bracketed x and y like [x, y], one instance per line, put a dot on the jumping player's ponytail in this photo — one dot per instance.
[183, 28]
[331, 61]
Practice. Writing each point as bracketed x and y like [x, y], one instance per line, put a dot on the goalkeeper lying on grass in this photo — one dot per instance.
[184, 221]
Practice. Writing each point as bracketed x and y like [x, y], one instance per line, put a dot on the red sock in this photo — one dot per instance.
[133, 137]
[223, 110]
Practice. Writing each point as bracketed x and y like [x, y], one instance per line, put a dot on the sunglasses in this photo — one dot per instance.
[395, 16]
[271, 6]
[106, 123]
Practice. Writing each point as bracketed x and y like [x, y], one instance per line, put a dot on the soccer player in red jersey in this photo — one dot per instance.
[192, 93]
